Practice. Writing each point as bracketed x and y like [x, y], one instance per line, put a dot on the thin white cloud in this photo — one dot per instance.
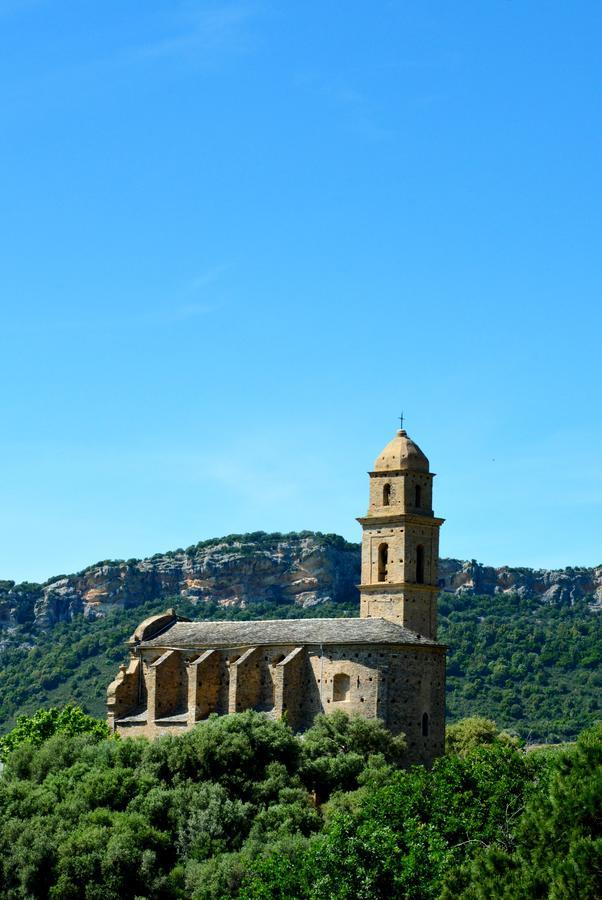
[355, 107]
[14, 7]
[200, 30]
[207, 278]
[190, 300]
[175, 314]
[196, 33]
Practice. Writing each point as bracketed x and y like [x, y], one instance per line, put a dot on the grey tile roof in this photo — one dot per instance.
[182, 635]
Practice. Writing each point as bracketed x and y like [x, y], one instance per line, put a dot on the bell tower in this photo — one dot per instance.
[400, 542]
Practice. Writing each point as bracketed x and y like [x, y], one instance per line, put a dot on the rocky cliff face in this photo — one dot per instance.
[556, 586]
[240, 571]
[304, 569]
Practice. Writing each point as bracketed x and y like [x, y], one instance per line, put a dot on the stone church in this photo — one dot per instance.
[385, 664]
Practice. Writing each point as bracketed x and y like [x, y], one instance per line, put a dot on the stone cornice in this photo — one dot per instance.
[400, 518]
[388, 472]
[390, 587]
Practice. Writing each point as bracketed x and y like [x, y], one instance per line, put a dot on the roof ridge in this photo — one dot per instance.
[300, 619]
[331, 631]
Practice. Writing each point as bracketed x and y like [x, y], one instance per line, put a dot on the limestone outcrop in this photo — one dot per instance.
[307, 569]
[555, 586]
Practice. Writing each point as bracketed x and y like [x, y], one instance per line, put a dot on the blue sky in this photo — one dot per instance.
[238, 238]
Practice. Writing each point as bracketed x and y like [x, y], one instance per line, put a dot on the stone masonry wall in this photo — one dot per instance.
[245, 681]
[203, 685]
[290, 687]
[398, 684]
[167, 685]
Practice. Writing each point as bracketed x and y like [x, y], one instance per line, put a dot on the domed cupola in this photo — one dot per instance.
[401, 454]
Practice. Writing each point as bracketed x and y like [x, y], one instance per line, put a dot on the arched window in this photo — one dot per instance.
[340, 689]
[417, 497]
[419, 564]
[383, 561]
[425, 725]
[386, 495]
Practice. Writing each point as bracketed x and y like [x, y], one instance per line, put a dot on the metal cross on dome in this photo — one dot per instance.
[401, 422]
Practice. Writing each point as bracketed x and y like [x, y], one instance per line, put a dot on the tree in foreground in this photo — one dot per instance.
[473, 732]
[404, 830]
[556, 849]
[337, 748]
[36, 729]
[233, 808]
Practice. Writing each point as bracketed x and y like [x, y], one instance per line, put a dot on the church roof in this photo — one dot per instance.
[401, 453]
[184, 635]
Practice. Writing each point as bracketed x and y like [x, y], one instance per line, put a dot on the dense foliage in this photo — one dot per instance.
[556, 848]
[36, 729]
[240, 807]
[535, 669]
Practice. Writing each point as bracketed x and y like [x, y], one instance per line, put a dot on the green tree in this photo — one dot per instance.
[556, 851]
[337, 748]
[473, 732]
[406, 829]
[44, 723]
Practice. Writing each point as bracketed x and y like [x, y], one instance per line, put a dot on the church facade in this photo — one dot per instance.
[386, 664]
